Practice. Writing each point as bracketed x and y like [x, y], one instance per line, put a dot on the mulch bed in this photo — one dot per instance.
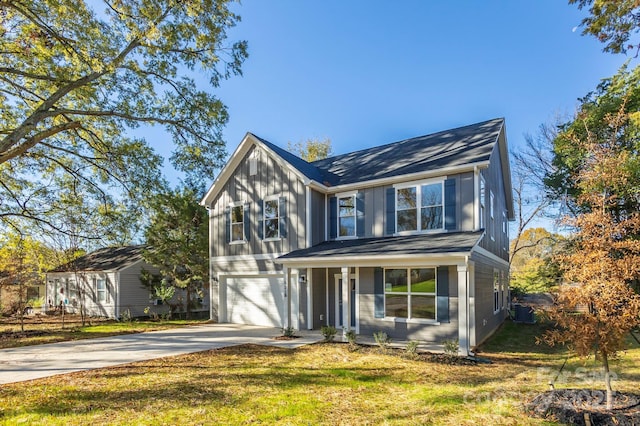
[586, 407]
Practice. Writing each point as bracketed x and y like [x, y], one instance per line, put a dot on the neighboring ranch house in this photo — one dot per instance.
[108, 280]
[409, 238]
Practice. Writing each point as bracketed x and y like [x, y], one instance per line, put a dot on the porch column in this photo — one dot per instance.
[310, 313]
[463, 313]
[346, 302]
[287, 306]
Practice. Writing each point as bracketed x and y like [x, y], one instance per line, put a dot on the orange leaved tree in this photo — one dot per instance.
[598, 307]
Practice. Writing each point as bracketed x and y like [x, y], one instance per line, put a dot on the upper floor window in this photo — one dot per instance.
[420, 207]
[347, 216]
[482, 202]
[237, 223]
[271, 218]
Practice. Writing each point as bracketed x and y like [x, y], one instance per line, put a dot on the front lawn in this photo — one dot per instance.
[317, 384]
[51, 329]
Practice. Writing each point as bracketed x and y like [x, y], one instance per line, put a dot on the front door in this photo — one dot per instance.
[340, 302]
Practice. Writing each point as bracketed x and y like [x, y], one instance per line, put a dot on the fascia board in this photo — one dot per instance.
[506, 172]
[453, 258]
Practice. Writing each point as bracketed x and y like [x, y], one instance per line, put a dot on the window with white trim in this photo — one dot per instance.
[482, 202]
[271, 218]
[237, 222]
[505, 232]
[101, 290]
[410, 293]
[496, 291]
[347, 216]
[493, 222]
[420, 207]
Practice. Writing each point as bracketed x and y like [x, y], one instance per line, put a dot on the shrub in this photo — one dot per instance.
[412, 348]
[351, 338]
[382, 339]
[328, 332]
[451, 347]
[288, 331]
[125, 316]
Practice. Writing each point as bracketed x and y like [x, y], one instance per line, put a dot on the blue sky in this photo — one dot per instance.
[364, 73]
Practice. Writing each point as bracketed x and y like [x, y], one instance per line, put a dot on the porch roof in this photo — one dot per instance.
[397, 247]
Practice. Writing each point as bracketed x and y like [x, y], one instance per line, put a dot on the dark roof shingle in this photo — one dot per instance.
[456, 147]
[448, 242]
[105, 259]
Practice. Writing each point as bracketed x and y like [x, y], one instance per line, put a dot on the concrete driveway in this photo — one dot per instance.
[34, 362]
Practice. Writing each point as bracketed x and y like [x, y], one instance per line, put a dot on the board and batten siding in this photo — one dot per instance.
[486, 320]
[318, 214]
[271, 179]
[379, 219]
[494, 183]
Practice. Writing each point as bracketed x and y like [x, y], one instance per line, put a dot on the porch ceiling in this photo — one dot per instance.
[367, 250]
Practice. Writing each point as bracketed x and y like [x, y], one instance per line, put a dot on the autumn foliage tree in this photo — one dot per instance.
[598, 307]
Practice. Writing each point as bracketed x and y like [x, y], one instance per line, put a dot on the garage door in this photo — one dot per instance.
[255, 300]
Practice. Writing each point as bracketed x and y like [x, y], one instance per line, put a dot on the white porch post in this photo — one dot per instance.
[294, 299]
[309, 299]
[472, 304]
[346, 302]
[463, 313]
[286, 290]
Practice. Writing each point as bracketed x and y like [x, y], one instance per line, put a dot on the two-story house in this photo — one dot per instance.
[409, 238]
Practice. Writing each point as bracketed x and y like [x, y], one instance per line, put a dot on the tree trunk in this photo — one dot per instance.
[607, 380]
[188, 313]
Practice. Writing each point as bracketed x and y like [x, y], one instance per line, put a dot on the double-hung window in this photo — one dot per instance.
[347, 216]
[101, 290]
[237, 222]
[482, 202]
[420, 207]
[271, 218]
[410, 293]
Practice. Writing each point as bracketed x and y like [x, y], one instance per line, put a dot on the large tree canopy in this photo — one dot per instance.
[177, 239]
[76, 77]
[614, 23]
[609, 118]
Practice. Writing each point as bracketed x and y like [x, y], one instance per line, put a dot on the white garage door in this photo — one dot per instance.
[256, 300]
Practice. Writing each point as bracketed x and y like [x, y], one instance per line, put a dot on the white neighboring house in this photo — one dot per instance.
[108, 281]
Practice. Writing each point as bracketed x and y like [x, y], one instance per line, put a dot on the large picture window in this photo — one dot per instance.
[420, 207]
[237, 223]
[271, 219]
[347, 216]
[410, 293]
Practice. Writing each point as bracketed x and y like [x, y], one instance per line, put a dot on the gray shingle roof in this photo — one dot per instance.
[106, 259]
[463, 145]
[452, 242]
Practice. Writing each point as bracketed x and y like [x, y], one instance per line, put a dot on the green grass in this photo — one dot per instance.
[317, 384]
[52, 330]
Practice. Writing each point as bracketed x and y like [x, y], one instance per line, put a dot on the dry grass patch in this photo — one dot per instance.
[51, 329]
[317, 384]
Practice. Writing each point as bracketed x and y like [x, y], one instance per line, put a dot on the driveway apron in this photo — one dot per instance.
[34, 362]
